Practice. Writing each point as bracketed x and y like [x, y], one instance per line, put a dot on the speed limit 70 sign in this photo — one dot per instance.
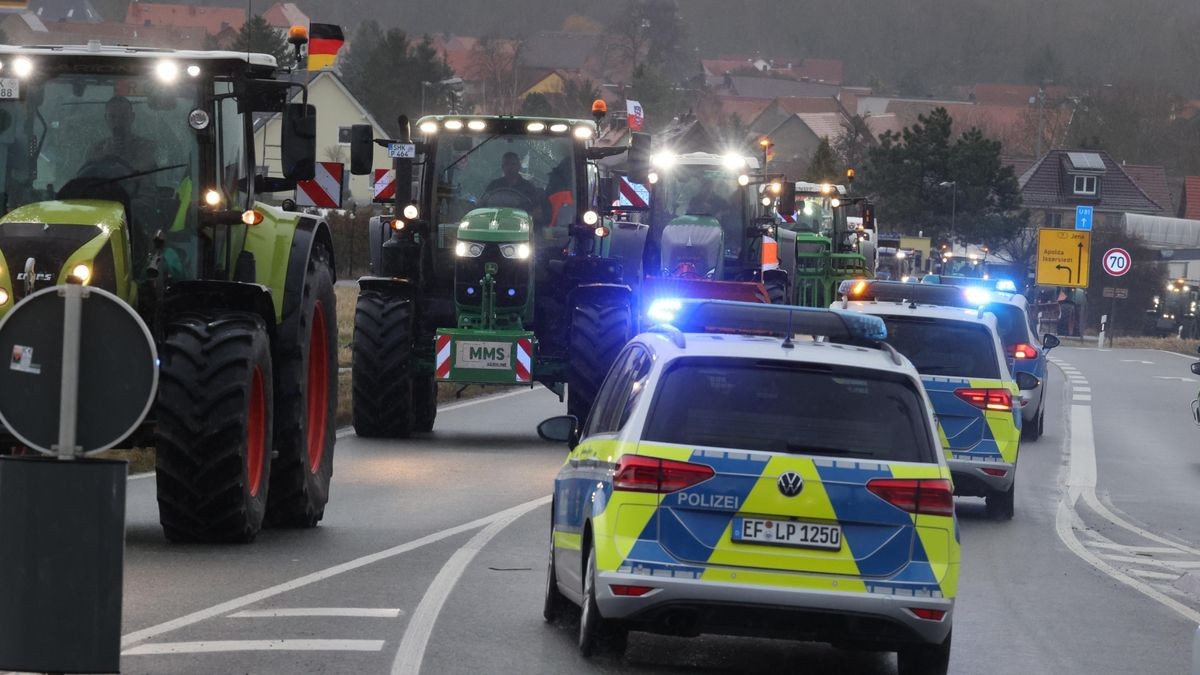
[1117, 262]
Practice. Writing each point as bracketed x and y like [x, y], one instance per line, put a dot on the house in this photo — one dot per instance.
[27, 29]
[1015, 95]
[1153, 181]
[1064, 179]
[782, 108]
[284, 15]
[572, 53]
[1189, 201]
[337, 111]
[54, 11]
[826, 71]
[797, 138]
[213, 20]
[775, 87]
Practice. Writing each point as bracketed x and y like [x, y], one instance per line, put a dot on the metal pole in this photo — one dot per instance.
[69, 396]
[953, 211]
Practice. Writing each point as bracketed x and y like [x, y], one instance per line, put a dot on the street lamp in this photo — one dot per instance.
[953, 185]
[451, 82]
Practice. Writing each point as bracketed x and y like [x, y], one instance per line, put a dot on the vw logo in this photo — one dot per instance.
[790, 484]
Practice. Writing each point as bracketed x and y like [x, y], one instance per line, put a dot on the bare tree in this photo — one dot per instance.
[495, 64]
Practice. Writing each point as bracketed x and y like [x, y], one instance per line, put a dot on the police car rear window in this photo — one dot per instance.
[944, 347]
[777, 406]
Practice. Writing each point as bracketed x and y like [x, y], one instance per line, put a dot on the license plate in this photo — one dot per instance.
[10, 88]
[787, 533]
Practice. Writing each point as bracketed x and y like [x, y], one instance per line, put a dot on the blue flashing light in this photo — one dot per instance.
[664, 310]
[977, 296]
[470, 290]
[1005, 286]
[512, 292]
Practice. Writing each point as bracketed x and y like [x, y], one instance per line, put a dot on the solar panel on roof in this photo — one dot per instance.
[1086, 160]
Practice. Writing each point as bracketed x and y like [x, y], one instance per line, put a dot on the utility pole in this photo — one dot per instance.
[1041, 101]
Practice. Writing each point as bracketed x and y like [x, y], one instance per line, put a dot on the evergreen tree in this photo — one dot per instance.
[387, 72]
[824, 166]
[260, 37]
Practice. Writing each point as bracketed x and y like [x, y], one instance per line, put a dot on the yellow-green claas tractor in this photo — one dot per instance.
[135, 171]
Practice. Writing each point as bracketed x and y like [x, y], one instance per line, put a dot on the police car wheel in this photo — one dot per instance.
[596, 634]
[1041, 422]
[1000, 504]
[925, 659]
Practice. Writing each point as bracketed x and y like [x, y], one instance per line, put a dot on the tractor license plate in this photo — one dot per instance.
[10, 88]
[483, 355]
[787, 533]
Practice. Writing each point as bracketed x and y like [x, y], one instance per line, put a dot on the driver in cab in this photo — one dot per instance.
[512, 180]
[123, 145]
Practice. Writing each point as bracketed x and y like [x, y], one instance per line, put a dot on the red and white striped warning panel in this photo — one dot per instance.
[385, 185]
[524, 360]
[325, 190]
[632, 195]
[443, 357]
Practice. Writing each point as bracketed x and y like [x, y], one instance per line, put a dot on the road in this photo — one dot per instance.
[431, 557]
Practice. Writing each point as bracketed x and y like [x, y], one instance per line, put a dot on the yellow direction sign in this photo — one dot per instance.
[1063, 257]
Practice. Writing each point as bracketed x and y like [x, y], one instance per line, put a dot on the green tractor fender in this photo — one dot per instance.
[282, 246]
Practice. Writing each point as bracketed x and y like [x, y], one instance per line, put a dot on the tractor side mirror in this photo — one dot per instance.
[639, 157]
[787, 198]
[299, 141]
[362, 149]
[868, 216]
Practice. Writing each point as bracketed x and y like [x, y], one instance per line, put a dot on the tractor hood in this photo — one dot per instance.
[58, 236]
[498, 225]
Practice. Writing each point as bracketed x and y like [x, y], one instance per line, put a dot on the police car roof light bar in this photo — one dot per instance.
[899, 291]
[727, 316]
[671, 332]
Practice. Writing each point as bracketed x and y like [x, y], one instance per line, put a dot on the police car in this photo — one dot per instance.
[954, 343]
[740, 475]
[1026, 353]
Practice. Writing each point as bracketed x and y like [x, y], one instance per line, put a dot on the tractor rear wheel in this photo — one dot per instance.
[598, 333]
[425, 395]
[383, 381]
[307, 386]
[214, 434]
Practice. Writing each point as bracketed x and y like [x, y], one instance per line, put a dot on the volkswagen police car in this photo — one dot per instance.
[758, 470]
[954, 343]
[1025, 351]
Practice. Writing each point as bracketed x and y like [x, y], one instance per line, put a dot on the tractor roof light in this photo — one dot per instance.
[476, 125]
[22, 67]
[454, 125]
[428, 127]
[826, 188]
[663, 160]
[733, 161]
[167, 71]
[559, 128]
[535, 127]
[583, 132]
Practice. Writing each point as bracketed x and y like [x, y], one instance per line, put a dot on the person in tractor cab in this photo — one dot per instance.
[513, 181]
[706, 202]
[124, 146]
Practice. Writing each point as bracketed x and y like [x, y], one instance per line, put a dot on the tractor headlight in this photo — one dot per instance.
[468, 249]
[411, 212]
[590, 217]
[82, 272]
[518, 251]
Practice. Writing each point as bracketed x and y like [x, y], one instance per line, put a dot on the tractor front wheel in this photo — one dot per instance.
[214, 434]
[307, 402]
[383, 381]
[598, 333]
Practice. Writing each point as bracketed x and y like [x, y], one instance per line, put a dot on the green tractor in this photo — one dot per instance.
[819, 248]
[134, 170]
[500, 265]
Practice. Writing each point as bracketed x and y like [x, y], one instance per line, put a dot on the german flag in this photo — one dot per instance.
[324, 42]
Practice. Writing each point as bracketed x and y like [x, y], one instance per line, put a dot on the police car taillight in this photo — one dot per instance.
[999, 400]
[635, 473]
[931, 497]
[1023, 351]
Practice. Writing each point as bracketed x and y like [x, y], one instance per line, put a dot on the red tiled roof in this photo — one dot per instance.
[1153, 181]
[285, 15]
[820, 70]
[211, 19]
[1019, 164]
[817, 104]
[1042, 186]
[1191, 198]
[997, 93]
[745, 108]
[111, 32]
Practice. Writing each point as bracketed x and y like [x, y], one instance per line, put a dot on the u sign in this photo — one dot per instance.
[1117, 262]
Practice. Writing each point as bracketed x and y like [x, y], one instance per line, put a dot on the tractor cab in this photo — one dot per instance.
[820, 246]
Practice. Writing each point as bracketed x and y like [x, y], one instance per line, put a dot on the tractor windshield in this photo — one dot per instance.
[814, 214]
[533, 173]
[704, 191]
[101, 136]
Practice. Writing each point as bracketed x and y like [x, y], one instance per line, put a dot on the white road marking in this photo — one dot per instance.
[1176, 379]
[1163, 564]
[235, 604]
[1089, 497]
[1151, 574]
[1182, 356]
[1147, 363]
[1083, 449]
[358, 612]
[1082, 397]
[1078, 389]
[218, 646]
[420, 627]
[1133, 549]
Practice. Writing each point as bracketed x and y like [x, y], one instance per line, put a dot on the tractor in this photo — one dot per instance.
[818, 248]
[501, 264]
[707, 235]
[134, 171]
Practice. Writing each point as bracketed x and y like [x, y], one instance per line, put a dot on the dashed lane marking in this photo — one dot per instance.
[217, 646]
[356, 612]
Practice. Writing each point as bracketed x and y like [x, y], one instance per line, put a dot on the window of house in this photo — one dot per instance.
[1085, 185]
[344, 135]
[1053, 219]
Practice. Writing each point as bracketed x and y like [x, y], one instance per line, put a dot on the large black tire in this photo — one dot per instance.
[383, 382]
[598, 333]
[925, 659]
[555, 605]
[425, 393]
[214, 432]
[306, 402]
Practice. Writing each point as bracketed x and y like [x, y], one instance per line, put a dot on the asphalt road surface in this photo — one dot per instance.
[431, 557]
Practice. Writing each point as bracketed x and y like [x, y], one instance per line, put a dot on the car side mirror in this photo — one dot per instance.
[561, 429]
[1050, 341]
[1027, 381]
[1196, 368]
